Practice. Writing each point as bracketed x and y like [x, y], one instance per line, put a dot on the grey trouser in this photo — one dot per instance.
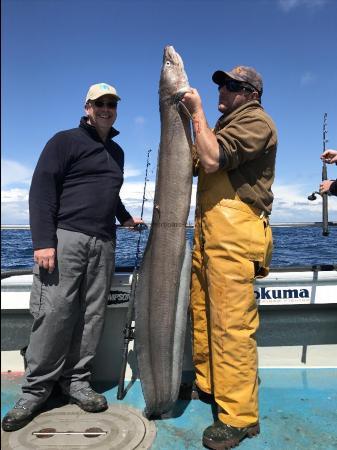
[68, 307]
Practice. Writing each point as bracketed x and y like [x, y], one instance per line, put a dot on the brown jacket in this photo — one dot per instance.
[248, 140]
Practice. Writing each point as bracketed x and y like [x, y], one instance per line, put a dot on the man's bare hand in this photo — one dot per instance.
[45, 257]
[329, 156]
[132, 222]
[192, 101]
[325, 186]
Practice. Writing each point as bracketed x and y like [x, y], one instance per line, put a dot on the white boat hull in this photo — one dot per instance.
[298, 311]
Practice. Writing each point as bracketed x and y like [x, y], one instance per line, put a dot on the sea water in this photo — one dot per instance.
[293, 246]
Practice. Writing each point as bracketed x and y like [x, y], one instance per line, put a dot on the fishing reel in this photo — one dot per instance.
[312, 196]
[141, 227]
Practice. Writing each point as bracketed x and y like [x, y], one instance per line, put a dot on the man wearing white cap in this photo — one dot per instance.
[73, 201]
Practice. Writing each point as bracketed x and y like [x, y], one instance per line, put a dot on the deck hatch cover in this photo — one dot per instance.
[119, 428]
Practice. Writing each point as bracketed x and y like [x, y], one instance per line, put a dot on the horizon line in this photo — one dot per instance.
[191, 225]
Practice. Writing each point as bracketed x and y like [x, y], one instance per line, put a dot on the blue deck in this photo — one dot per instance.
[298, 410]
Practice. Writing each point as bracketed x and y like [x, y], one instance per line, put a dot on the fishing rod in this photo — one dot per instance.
[311, 197]
[129, 330]
[324, 178]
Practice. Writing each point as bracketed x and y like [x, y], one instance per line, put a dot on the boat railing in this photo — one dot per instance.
[191, 225]
[129, 269]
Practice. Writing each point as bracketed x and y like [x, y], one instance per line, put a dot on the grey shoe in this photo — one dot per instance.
[89, 400]
[23, 412]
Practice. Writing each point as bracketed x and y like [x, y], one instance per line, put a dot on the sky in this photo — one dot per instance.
[53, 50]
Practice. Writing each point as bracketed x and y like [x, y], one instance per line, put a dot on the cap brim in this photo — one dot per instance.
[220, 76]
[103, 95]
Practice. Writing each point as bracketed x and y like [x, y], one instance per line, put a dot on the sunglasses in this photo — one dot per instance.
[100, 104]
[236, 86]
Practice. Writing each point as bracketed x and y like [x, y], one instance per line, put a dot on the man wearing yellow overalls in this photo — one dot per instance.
[232, 247]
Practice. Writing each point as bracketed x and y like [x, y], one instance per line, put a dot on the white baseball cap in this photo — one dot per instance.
[100, 89]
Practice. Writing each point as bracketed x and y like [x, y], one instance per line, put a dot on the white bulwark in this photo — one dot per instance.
[297, 287]
[298, 315]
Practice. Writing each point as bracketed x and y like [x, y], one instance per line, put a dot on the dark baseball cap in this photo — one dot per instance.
[240, 73]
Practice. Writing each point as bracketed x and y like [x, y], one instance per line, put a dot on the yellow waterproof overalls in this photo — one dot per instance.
[232, 245]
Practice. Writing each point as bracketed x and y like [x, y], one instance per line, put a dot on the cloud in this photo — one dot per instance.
[14, 206]
[14, 173]
[130, 172]
[132, 197]
[290, 204]
[140, 120]
[307, 79]
[288, 5]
